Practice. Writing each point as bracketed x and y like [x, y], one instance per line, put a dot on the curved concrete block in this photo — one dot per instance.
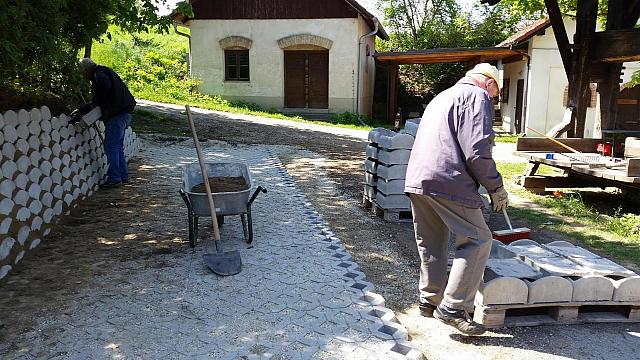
[6, 206]
[550, 289]
[23, 116]
[503, 290]
[411, 128]
[593, 288]
[10, 134]
[10, 118]
[371, 166]
[394, 157]
[372, 152]
[375, 134]
[45, 113]
[22, 131]
[627, 289]
[561, 243]
[5, 247]
[4, 270]
[9, 151]
[392, 187]
[398, 141]
[21, 181]
[22, 146]
[393, 201]
[392, 172]
[5, 225]
[7, 188]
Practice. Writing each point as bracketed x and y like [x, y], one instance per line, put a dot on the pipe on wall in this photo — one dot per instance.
[374, 32]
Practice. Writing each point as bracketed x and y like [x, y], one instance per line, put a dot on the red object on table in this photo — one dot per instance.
[605, 149]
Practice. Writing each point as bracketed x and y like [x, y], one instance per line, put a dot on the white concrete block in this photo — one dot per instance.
[68, 199]
[56, 177]
[593, 288]
[627, 289]
[22, 130]
[22, 146]
[531, 249]
[23, 214]
[23, 234]
[6, 206]
[24, 164]
[9, 169]
[34, 143]
[370, 179]
[34, 128]
[372, 152]
[411, 128]
[374, 134]
[35, 175]
[45, 125]
[11, 118]
[557, 266]
[549, 289]
[21, 181]
[10, 134]
[503, 290]
[47, 200]
[45, 113]
[57, 207]
[7, 188]
[399, 141]
[67, 186]
[400, 202]
[21, 197]
[19, 257]
[8, 151]
[512, 268]
[393, 172]
[394, 157]
[58, 192]
[4, 270]
[48, 215]
[5, 247]
[46, 154]
[370, 192]
[602, 266]
[35, 206]
[35, 242]
[370, 166]
[5, 225]
[571, 251]
[23, 116]
[391, 187]
[46, 184]
[55, 136]
[35, 191]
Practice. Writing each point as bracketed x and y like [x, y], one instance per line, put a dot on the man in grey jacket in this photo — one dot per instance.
[451, 157]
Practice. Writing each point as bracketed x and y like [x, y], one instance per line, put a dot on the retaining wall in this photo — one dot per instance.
[46, 167]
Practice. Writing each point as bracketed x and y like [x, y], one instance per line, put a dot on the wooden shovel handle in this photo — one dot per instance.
[205, 177]
[556, 141]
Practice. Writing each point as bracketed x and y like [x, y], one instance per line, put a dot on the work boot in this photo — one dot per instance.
[426, 309]
[458, 319]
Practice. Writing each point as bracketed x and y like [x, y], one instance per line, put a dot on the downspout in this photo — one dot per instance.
[376, 24]
[175, 28]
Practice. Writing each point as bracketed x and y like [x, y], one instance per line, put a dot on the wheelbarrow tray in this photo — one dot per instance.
[227, 203]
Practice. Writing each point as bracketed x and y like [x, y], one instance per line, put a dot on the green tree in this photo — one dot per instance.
[40, 41]
[429, 24]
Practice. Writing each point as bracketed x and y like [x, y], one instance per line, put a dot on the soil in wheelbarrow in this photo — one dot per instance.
[223, 184]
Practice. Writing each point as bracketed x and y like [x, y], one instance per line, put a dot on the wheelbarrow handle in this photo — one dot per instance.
[256, 193]
[185, 198]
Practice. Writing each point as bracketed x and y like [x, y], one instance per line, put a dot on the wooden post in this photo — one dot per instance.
[579, 91]
[393, 94]
[560, 34]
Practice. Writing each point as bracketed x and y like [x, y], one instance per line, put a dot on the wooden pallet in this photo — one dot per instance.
[495, 316]
[392, 215]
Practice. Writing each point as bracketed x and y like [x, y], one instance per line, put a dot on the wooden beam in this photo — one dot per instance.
[631, 14]
[560, 34]
[579, 91]
[543, 144]
[617, 46]
[393, 94]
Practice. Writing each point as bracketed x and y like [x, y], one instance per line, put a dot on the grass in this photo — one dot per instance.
[506, 138]
[613, 233]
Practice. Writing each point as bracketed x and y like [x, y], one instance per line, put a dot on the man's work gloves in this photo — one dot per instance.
[499, 199]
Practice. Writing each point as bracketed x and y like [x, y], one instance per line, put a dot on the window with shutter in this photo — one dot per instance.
[236, 65]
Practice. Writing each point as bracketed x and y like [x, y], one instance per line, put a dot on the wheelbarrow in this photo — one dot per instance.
[227, 203]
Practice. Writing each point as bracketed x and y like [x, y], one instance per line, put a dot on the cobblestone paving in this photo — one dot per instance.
[299, 295]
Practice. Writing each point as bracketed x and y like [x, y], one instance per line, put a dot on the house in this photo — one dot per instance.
[534, 91]
[297, 56]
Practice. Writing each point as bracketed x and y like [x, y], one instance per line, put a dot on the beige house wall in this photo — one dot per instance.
[266, 59]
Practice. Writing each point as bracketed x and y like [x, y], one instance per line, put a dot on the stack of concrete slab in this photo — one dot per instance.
[388, 155]
[528, 283]
[47, 166]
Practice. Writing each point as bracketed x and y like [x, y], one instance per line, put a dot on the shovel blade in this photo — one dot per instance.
[224, 263]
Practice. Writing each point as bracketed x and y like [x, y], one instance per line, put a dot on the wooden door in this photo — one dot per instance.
[306, 79]
[519, 105]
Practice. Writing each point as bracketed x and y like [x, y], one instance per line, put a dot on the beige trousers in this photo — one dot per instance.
[433, 219]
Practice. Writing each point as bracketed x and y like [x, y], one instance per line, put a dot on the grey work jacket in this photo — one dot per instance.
[451, 154]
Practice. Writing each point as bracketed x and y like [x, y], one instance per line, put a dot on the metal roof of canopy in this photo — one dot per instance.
[447, 55]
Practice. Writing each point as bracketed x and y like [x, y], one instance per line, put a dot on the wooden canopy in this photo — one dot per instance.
[470, 56]
[433, 56]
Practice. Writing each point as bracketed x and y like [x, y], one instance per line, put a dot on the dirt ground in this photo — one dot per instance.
[328, 168]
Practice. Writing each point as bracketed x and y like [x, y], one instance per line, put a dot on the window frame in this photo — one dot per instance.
[238, 65]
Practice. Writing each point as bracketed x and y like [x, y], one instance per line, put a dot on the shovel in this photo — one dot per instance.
[221, 262]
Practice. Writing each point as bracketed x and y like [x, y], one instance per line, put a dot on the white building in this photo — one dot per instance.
[300, 56]
[535, 89]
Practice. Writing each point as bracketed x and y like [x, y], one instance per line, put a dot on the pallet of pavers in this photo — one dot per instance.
[527, 283]
[393, 157]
